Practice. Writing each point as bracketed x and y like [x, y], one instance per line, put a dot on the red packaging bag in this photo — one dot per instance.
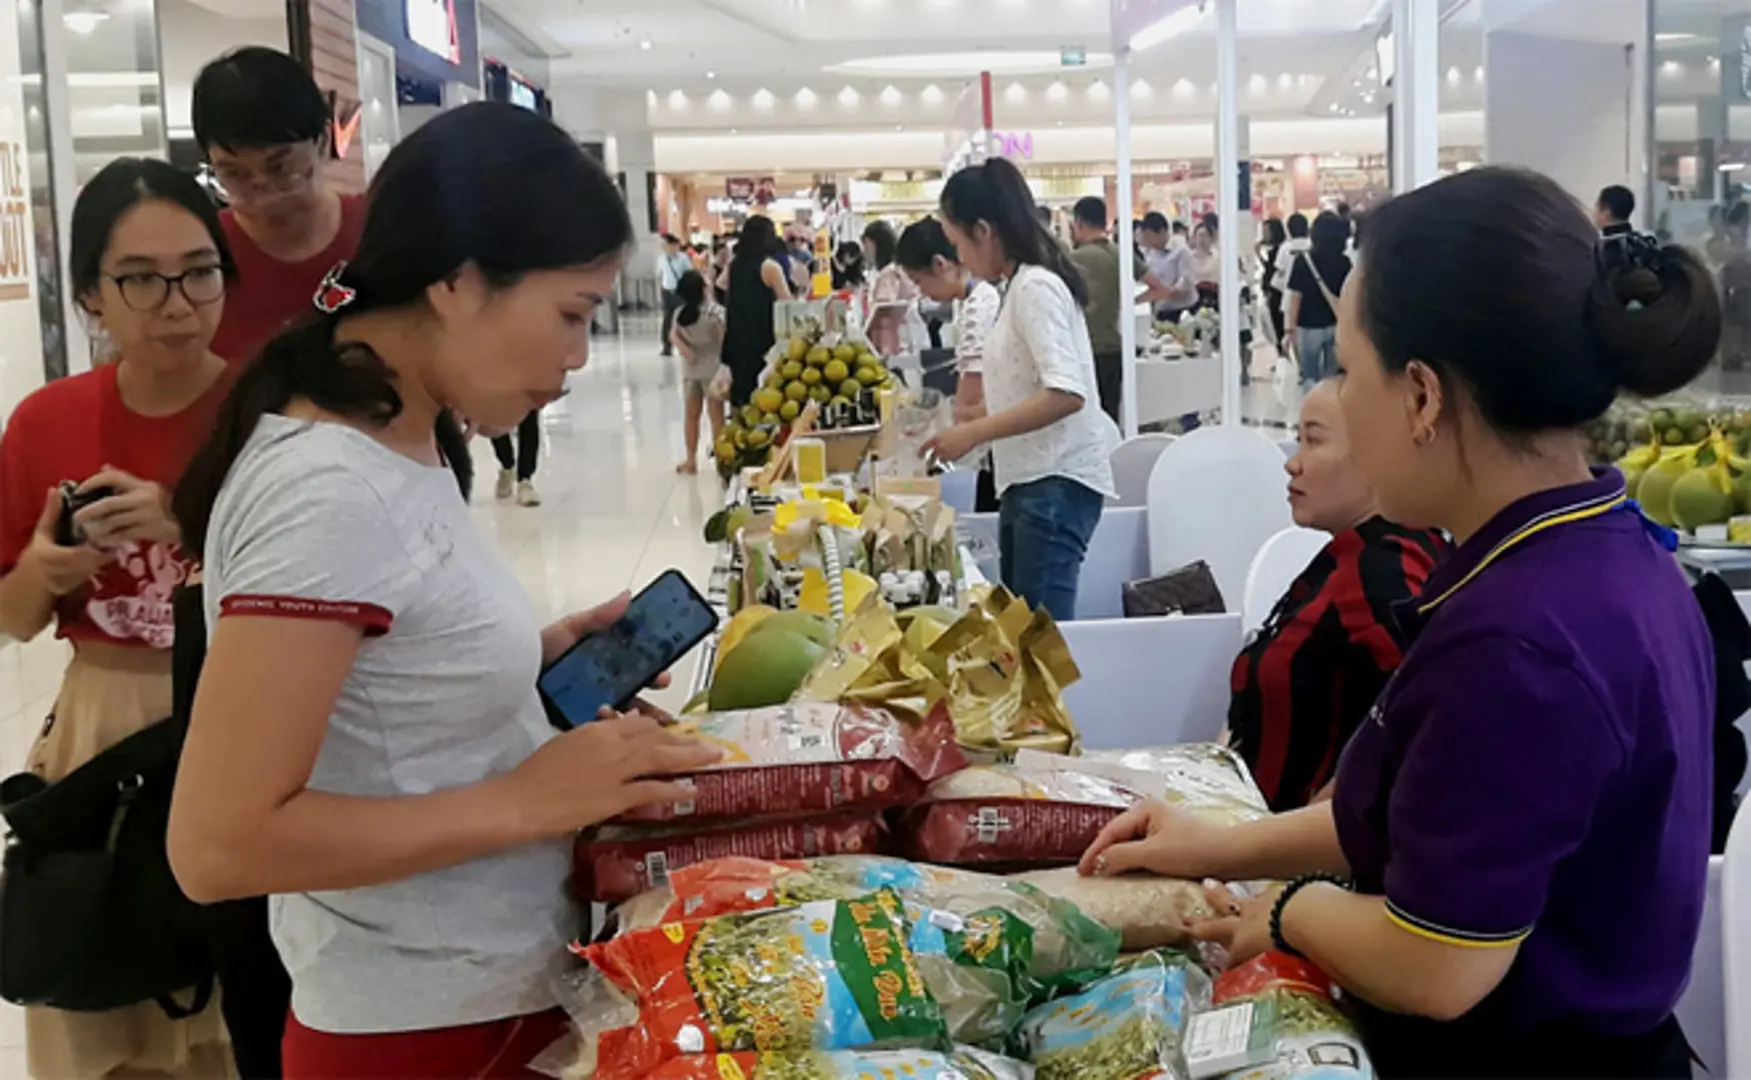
[617, 862]
[998, 815]
[811, 757]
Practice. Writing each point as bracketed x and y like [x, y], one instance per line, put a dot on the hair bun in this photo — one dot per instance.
[1655, 315]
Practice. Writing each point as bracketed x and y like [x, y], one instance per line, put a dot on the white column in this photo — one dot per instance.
[1416, 33]
[1126, 210]
[59, 101]
[1228, 201]
[1642, 144]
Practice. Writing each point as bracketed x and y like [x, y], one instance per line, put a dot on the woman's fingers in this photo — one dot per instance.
[1129, 825]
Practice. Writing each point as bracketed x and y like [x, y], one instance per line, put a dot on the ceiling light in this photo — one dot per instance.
[1184, 89]
[84, 22]
[677, 100]
[931, 95]
[1670, 67]
[1674, 36]
[1057, 92]
[1168, 26]
[956, 65]
[762, 98]
[899, 127]
[891, 96]
[1097, 91]
[849, 97]
[1477, 73]
[1453, 76]
[710, 75]
[734, 131]
[1141, 89]
[645, 44]
[805, 98]
[650, 97]
[719, 100]
[1016, 93]
[1256, 85]
[1285, 80]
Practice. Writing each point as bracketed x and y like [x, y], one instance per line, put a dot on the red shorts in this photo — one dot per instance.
[499, 1050]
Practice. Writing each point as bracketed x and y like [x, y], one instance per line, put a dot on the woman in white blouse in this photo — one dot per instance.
[1049, 438]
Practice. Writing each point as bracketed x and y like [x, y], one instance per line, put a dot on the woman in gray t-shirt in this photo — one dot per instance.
[367, 747]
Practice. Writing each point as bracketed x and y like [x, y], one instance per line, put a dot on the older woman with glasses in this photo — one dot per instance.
[149, 264]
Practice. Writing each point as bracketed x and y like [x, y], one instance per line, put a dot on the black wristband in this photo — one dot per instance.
[1283, 898]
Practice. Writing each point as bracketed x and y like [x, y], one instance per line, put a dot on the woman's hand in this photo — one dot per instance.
[1158, 839]
[62, 570]
[955, 443]
[1242, 925]
[565, 633]
[602, 770]
[139, 511]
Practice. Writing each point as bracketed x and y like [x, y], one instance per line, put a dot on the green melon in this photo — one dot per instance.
[1655, 490]
[1697, 499]
[765, 669]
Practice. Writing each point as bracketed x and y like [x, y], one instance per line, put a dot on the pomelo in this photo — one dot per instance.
[765, 669]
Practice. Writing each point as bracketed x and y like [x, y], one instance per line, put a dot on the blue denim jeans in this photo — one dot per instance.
[1042, 535]
[1319, 353]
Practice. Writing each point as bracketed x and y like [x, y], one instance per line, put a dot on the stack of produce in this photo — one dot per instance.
[1684, 462]
[811, 778]
[763, 655]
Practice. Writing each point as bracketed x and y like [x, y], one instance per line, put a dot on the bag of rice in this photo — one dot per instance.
[1148, 912]
[1128, 1026]
[999, 815]
[812, 757]
[616, 862]
[1070, 948]
[832, 975]
[1208, 779]
[1293, 1029]
[962, 1063]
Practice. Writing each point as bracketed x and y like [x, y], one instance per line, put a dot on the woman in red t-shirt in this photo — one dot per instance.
[149, 263]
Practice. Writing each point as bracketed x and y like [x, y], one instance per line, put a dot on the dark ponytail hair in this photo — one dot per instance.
[691, 291]
[1494, 277]
[997, 194]
[487, 185]
[116, 189]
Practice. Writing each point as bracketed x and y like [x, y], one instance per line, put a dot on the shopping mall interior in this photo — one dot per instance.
[829, 116]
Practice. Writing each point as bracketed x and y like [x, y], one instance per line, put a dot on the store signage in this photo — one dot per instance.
[1013, 144]
[16, 237]
[431, 24]
[344, 115]
[1073, 56]
[746, 189]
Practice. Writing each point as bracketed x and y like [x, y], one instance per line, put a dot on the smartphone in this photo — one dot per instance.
[67, 531]
[610, 667]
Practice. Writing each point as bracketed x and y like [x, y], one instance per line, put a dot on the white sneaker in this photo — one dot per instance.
[507, 485]
[527, 495]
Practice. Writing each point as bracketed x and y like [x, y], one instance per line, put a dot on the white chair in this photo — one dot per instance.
[1702, 1010]
[1276, 566]
[1735, 952]
[1133, 460]
[960, 490]
[1216, 494]
[1151, 682]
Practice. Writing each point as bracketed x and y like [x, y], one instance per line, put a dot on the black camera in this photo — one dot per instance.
[67, 531]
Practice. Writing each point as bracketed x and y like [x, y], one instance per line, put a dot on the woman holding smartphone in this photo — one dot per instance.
[367, 744]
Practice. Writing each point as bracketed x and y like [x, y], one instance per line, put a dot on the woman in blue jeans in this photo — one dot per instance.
[1316, 278]
[1049, 438]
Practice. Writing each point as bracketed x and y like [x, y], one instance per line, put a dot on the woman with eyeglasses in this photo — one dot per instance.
[149, 264]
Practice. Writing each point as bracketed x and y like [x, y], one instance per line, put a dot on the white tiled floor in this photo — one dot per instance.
[615, 515]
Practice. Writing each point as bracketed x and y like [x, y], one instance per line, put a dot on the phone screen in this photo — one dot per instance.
[611, 666]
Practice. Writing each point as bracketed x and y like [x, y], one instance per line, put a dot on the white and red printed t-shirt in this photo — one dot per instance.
[321, 521]
[69, 430]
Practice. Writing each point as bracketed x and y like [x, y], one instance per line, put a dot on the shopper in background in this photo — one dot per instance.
[756, 282]
[1097, 259]
[895, 326]
[722, 249]
[930, 260]
[699, 335]
[1170, 267]
[802, 262]
[1525, 816]
[671, 264]
[1047, 434]
[1271, 244]
[263, 124]
[1204, 263]
[1288, 255]
[1316, 278]
[848, 271]
[149, 263]
[519, 460]
[1304, 684]
[367, 745]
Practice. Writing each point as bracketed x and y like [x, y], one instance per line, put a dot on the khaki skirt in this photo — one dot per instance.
[107, 695]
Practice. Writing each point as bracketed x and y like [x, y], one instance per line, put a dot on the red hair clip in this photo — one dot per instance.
[331, 295]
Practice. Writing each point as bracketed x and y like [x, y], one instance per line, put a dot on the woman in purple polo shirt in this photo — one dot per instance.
[1509, 879]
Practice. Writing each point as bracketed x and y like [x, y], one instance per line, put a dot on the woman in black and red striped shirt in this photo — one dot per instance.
[1305, 682]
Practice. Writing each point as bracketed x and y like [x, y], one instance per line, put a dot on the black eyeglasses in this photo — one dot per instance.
[143, 291]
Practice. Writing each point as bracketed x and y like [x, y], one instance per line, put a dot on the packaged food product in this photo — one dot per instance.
[812, 757]
[1147, 911]
[1069, 948]
[1208, 779]
[1006, 668]
[615, 862]
[1291, 1006]
[962, 1063]
[1002, 815]
[1126, 1027]
[832, 975]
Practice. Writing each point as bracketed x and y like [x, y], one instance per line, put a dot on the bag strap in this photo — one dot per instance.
[1325, 290]
[203, 997]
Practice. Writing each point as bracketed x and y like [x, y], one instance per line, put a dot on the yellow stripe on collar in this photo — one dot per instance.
[1562, 516]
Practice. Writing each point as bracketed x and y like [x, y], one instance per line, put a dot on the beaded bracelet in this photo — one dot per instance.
[1283, 899]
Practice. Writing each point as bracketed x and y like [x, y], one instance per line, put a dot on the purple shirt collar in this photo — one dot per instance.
[1534, 513]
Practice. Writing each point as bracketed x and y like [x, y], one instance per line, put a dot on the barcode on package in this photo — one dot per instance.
[813, 740]
[656, 869]
[990, 824]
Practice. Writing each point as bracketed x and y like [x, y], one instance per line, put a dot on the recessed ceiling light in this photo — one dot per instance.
[849, 97]
[733, 131]
[677, 100]
[931, 95]
[1477, 73]
[899, 127]
[1141, 89]
[1184, 89]
[84, 22]
[762, 98]
[645, 44]
[955, 65]
[1098, 91]
[1057, 92]
[711, 75]
[719, 99]
[1285, 80]
[891, 96]
[1016, 93]
[1673, 36]
[805, 98]
[1453, 76]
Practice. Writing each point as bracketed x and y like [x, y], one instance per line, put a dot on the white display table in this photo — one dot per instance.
[1168, 389]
